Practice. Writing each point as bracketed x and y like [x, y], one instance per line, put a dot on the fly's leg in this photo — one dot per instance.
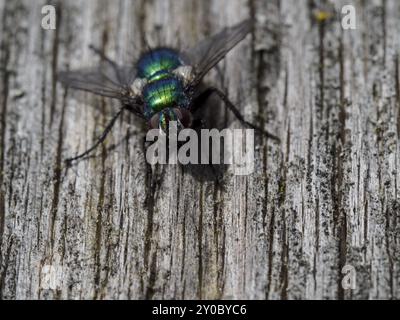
[209, 91]
[102, 55]
[108, 60]
[100, 140]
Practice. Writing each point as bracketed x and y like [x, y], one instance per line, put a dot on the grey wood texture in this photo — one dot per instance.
[111, 227]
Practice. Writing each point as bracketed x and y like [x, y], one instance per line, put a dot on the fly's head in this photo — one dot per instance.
[161, 120]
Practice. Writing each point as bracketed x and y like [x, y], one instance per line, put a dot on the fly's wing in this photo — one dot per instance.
[108, 80]
[210, 51]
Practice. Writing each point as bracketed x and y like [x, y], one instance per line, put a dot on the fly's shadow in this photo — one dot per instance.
[202, 169]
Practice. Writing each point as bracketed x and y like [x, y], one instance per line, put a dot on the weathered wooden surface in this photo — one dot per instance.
[325, 197]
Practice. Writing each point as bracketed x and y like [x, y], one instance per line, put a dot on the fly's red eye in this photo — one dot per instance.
[154, 121]
[184, 117]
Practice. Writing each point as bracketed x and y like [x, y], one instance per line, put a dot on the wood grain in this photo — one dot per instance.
[115, 228]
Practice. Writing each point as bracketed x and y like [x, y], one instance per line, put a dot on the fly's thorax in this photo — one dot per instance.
[157, 63]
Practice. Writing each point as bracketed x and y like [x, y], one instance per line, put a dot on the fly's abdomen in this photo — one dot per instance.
[165, 93]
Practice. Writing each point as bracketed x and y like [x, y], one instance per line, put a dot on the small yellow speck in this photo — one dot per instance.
[322, 16]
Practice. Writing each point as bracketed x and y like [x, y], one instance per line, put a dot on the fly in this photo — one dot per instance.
[163, 86]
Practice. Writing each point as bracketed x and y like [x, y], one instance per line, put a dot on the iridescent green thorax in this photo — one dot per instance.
[157, 64]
